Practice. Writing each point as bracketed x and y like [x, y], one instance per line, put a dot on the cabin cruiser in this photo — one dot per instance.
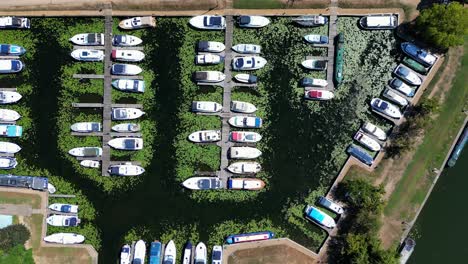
[244, 167]
[14, 22]
[247, 48]
[88, 55]
[170, 253]
[209, 76]
[360, 154]
[126, 143]
[86, 152]
[140, 252]
[64, 238]
[246, 78]
[330, 205]
[129, 85]
[245, 121]
[126, 128]
[7, 97]
[407, 75]
[200, 254]
[395, 97]
[127, 55]
[86, 127]
[126, 113]
[382, 21]
[88, 39]
[203, 183]
[11, 66]
[8, 163]
[386, 108]
[90, 163]
[242, 107]
[205, 136]
[126, 40]
[7, 130]
[319, 217]
[367, 141]
[125, 255]
[209, 22]
[155, 252]
[248, 63]
[312, 82]
[125, 169]
[210, 46]
[402, 87]
[311, 21]
[316, 39]
[63, 220]
[244, 136]
[374, 130]
[208, 59]
[418, 54]
[11, 50]
[7, 115]
[253, 21]
[138, 22]
[244, 153]
[64, 208]
[216, 255]
[251, 184]
[249, 237]
[125, 69]
[188, 250]
[312, 64]
[206, 107]
[9, 147]
[318, 94]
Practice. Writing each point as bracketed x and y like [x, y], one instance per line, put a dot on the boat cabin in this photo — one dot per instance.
[384, 21]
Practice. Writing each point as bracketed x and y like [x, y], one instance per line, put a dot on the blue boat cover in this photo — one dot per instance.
[118, 68]
[65, 208]
[155, 253]
[316, 215]
[130, 144]
[244, 20]
[360, 154]
[252, 79]
[71, 222]
[14, 131]
[258, 122]
[4, 49]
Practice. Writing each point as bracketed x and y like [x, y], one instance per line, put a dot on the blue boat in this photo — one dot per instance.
[10, 66]
[249, 237]
[360, 154]
[319, 217]
[35, 183]
[10, 130]
[458, 148]
[155, 253]
[11, 50]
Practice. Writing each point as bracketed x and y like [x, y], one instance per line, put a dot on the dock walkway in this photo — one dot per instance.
[331, 46]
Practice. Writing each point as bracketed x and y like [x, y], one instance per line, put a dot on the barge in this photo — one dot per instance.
[35, 183]
[339, 59]
[458, 148]
[249, 237]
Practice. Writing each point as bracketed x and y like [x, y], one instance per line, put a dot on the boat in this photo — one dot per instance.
[88, 55]
[244, 167]
[126, 128]
[126, 41]
[407, 249]
[367, 141]
[9, 148]
[62, 220]
[139, 256]
[311, 21]
[88, 39]
[415, 65]
[395, 97]
[206, 107]
[205, 136]
[252, 21]
[458, 148]
[248, 63]
[7, 163]
[11, 66]
[208, 59]
[127, 55]
[125, 255]
[381, 21]
[330, 205]
[125, 169]
[244, 153]
[200, 254]
[125, 69]
[246, 78]
[187, 257]
[318, 94]
[203, 183]
[312, 82]
[126, 113]
[14, 22]
[7, 130]
[339, 53]
[170, 253]
[420, 55]
[245, 121]
[155, 252]
[374, 130]
[64, 208]
[402, 87]
[126, 143]
[316, 39]
[312, 64]
[86, 127]
[210, 46]
[208, 76]
[65, 238]
[242, 107]
[319, 217]
[250, 184]
[129, 85]
[386, 108]
[247, 48]
[407, 75]
[7, 115]
[208, 22]
[217, 255]
[11, 50]
[244, 136]
[90, 163]
[7, 97]
[86, 152]
[28, 182]
[360, 154]
[249, 237]
[138, 22]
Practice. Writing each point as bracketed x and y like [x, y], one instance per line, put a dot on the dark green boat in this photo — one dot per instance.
[339, 59]
[415, 65]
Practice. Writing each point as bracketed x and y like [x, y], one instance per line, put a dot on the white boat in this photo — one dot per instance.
[319, 217]
[64, 208]
[63, 220]
[129, 85]
[242, 107]
[126, 128]
[206, 107]
[14, 22]
[127, 55]
[374, 130]
[209, 76]
[367, 141]
[316, 39]
[88, 55]
[125, 255]
[318, 94]
[253, 21]
[138, 22]
[126, 40]
[126, 143]
[210, 46]
[7, 97]
[216, 255]
[418, 54]
[407, 75]
[126, 113]
[251, 184]
[7, 115]
[187, 258]
[311, 21]
[200, 254]
[51, 188]
[203, 183]
[244, 167]
[313, 64]
[244, 153]
[125, 69]
[125, 169]
[86, 152]
[246, 78]
[205, 136]
[88, 39]
[386, 108]
[392, 95]
[244, 136]
[64, 238]
[402, 87]
[248, 63]
[313, 82]
[7, 163]
[86, 127]
[11, 66]
[247, 48]
[381, 21]
[245, 121]
[90, 163]
[208, 22]
[329, 204]
[139, 256]
[208, 59]
[9, 148]
[170, 253]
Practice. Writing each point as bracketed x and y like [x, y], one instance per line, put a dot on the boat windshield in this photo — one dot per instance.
[216, 21]
[16, 21]
[118, 68]
[91, 38]
[244, 20]
[403, 71]
[96, 127]
[65, 208]
[90, 152]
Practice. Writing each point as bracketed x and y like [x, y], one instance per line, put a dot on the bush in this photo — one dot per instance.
[13, 235]
[17, 255]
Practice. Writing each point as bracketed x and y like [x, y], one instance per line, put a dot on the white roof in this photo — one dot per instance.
[379, 21]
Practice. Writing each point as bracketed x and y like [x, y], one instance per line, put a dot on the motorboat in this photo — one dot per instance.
[88, 39]
[125, 69]
[9, 147]
[15, 22]
[420, 55]
[330, 205]
[386, 108]
[65, 238]
[170, 253]
[253, 21]
[51, 188]
[217, 255]
[250, 184]
[200, 254]
[7, 115]
[126, 113]
[208, 59]
[11, 66]
[127, 55]
[88, 55]
[316, 39]
[381, 21]
[339, 59]
[242, 107]
[360, 154]
[249, 237]
[395, 97]
[311, 21]
[245, 121]
[7, 130]
[312, 82]
[90, 163]
[244, 136]
[86, 152]
[407, 75]
[86, 127]
[125, 255]
[374, 130]
[244, 167]
[64, 208]
[205, 136]
[187, 257]
[126, 143]
[318, 94]
[155, 252]
[138, 22]
[415, 65]
[246, 78]
[248, 63]
[126, 41]
[247, 48]
[8, 97]
[209, 22]
[319, 217]
[244, 153]
[210, 46]
[125, 169]
[129, 85]
[402, 87]
[367, 141]
[312, 64]
[7, 163]
[126, 128]
[206, 107]
[63, 220]
[209, 76]
[139, 256]
[203, 183]
[11, 50]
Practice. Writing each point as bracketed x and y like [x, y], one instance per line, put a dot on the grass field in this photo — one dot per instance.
[20, 198]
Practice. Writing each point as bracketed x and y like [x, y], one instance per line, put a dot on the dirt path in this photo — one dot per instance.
[445, 81]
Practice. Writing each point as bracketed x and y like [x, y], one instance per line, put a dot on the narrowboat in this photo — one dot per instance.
[249, 237]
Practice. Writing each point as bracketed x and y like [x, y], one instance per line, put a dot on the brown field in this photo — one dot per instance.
[20, 198]
[270, 255]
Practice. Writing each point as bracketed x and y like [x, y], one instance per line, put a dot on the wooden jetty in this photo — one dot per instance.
[8, 89]
[88, 76]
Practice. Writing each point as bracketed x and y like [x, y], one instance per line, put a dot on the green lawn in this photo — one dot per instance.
[20, 198]
[258, 4]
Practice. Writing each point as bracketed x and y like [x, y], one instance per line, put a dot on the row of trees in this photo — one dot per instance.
[12, 251]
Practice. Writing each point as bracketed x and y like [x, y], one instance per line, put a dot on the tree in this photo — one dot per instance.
[364, 195]
[13, 235]
[444, 25]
